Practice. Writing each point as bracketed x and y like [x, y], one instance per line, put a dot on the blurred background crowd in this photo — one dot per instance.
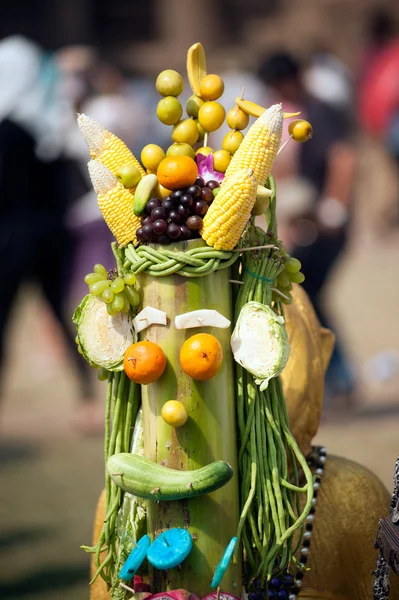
[338, 196]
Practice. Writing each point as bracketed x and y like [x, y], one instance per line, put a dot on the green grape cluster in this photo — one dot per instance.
[118, 293]
[283, 283]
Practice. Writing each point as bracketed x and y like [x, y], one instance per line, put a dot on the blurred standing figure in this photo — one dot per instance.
[37, 185]
[325, 166]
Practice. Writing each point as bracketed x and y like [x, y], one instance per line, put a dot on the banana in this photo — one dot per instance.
[196, 66]
[255, 110]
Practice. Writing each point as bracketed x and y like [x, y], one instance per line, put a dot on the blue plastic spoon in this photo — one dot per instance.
[224, 563]
[170, 548]
[135, 558]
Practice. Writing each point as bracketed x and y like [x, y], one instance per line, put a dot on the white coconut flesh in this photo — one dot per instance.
[259, 341]
[149, 316]
[201, 318]
[104, 339]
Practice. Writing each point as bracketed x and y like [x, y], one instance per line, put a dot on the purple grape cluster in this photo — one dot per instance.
[177, 217]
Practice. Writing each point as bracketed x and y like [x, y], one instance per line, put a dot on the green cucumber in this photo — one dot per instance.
[146, 479]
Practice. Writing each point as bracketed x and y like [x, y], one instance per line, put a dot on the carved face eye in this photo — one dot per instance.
[196, 318]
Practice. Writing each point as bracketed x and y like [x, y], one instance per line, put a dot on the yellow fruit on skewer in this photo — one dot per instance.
[115, 202]
[196, 67]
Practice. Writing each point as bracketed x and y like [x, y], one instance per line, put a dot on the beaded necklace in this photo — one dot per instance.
[286, 587]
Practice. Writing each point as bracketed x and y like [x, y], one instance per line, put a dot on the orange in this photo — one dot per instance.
[201, 356]
[176, 172]
[144, 362]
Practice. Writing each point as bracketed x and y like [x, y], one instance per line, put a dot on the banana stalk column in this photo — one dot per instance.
[208, 435]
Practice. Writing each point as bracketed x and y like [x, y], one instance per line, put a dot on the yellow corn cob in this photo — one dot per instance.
[105, 147]
[115, 202]
[259, 147]
[229, 212]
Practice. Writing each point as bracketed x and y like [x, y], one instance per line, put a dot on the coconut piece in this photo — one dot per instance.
[149, 316]
[201, 318]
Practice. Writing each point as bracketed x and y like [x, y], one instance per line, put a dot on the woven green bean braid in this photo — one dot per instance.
[160, 262]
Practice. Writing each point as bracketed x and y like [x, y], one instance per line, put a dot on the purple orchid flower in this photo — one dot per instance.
[205, 168]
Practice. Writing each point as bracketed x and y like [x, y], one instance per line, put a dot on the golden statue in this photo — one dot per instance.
[351, 499]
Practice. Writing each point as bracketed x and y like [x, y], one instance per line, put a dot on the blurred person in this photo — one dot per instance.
[37, 184]
[323, 169]
[378, 93]
[329, 80]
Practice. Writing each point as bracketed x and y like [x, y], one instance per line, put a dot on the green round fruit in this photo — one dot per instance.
[130, 278]
[128, 175]
[180, 149]
[99, 287]
[102, 374]
[293, 265]
[169, 110]
[101, 270]
[118, 303]
[118, 285]
[185, 131]
[297, 277]
[193, 105]
[169, 83]
[91, 278]
[108, 296]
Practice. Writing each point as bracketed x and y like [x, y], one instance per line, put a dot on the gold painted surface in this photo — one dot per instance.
[351, 499]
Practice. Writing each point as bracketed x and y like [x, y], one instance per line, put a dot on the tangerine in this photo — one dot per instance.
[144, 362]
[176, 172]
[201, 356]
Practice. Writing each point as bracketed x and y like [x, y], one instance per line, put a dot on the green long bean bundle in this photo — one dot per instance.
[122, 405]
[270, 496]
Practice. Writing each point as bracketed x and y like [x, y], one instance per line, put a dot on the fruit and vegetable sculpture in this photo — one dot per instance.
[202, 472]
